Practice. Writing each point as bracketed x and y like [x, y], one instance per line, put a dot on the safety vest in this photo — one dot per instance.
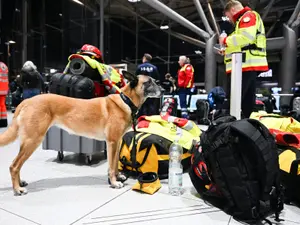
[184, 77]
[106, 71]
[254, 53]
[3, 79]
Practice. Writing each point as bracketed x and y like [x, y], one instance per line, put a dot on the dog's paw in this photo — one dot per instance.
[121, 177]
[20, 191]
[117, 185]
[23, 183]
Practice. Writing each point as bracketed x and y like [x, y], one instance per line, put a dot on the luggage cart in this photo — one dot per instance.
[61, 141]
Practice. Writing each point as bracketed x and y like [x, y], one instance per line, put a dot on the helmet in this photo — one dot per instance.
[91, 51]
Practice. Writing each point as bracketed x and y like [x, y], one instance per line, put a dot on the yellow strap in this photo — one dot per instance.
[166, 157]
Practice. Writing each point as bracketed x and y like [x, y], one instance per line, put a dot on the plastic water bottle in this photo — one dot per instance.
[223, 35]
[175, 167]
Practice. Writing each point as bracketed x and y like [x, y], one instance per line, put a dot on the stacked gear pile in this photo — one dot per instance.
[145, 151]
[87, 76]
[236, 169]
[215, 105]
[286, 131]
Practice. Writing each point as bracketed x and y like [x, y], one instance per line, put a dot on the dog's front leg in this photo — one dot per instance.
[112, 150]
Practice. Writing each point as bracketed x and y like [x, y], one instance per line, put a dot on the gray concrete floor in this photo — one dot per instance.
[75, 193]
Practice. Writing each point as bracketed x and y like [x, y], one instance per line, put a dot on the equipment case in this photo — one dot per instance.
[61, 141]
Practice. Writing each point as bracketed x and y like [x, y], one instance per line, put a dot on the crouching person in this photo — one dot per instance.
[31, 80]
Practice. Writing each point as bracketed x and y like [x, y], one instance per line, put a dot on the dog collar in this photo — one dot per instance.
[127, 100]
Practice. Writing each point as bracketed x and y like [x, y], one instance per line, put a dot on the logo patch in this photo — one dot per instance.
[246, 19]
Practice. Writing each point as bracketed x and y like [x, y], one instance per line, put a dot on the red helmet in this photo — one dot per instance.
[91, 50]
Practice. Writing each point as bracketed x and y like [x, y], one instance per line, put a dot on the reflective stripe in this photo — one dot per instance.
[171, 119]
[234, 41]
[3, 92]
[106, 76]
[5, 80]
[250, 62]
[188, 126]
[249, 36]
[3, 75]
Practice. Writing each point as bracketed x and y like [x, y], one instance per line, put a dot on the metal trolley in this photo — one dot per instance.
[61, 141]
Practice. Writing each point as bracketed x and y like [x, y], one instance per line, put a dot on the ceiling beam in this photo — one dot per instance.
[175, 16]
[140, 36]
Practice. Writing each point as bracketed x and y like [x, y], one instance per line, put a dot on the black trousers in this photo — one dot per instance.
[248, 92]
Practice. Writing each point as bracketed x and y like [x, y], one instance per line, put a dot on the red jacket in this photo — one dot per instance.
[186, 76]
[3, 79]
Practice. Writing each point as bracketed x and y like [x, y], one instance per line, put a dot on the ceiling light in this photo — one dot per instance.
[60, 14]
[78, 2]
[198, 52]
[165, 27]
[10, 42]
[134, 1]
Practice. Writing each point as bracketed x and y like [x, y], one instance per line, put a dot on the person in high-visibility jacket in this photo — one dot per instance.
[185, 81]
[248, 38]
[3, 92]
[109, 76]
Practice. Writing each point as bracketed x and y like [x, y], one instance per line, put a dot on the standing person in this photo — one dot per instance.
[147, 68]
[151, 105]
[3, 92]
[31, 80]
[185, 82]
[248, 38]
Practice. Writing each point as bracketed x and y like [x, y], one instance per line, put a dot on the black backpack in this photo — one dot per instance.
[30, 78]
[72, 86]
[202, 111]
[241, 173]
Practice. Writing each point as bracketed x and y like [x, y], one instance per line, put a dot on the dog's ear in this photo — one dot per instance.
[133, 79]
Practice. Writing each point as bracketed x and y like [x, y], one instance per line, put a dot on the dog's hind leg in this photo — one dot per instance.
[28, 146]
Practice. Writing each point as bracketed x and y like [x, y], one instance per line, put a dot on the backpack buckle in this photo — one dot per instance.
[254, 212]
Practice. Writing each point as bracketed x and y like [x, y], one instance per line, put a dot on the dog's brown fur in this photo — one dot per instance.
[106, 118]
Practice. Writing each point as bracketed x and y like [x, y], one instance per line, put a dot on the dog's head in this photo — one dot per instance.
[144, 86]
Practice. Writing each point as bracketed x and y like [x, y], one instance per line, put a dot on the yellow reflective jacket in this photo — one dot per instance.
[168, 130]
[248, 38]
[274, 121]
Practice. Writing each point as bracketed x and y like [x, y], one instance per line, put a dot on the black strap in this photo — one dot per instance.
[133, 108]
[252, 47]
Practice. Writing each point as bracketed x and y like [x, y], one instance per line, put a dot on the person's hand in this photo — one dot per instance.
[222, 52]
[221, 40]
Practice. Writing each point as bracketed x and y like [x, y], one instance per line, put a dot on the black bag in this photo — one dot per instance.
[72, 86]
[242, 166]
[202, 111]
[289, 160]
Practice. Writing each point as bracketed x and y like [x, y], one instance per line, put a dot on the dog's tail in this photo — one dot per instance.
[11, 133]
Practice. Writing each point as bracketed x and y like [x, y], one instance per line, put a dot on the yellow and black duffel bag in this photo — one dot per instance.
[289, 162]
[149, 153]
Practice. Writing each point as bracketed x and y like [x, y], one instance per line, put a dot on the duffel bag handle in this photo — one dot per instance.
[294, 167]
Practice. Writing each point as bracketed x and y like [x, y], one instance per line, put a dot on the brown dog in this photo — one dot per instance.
[106, 118]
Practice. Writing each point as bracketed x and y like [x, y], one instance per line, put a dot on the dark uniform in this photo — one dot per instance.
[151, 105]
